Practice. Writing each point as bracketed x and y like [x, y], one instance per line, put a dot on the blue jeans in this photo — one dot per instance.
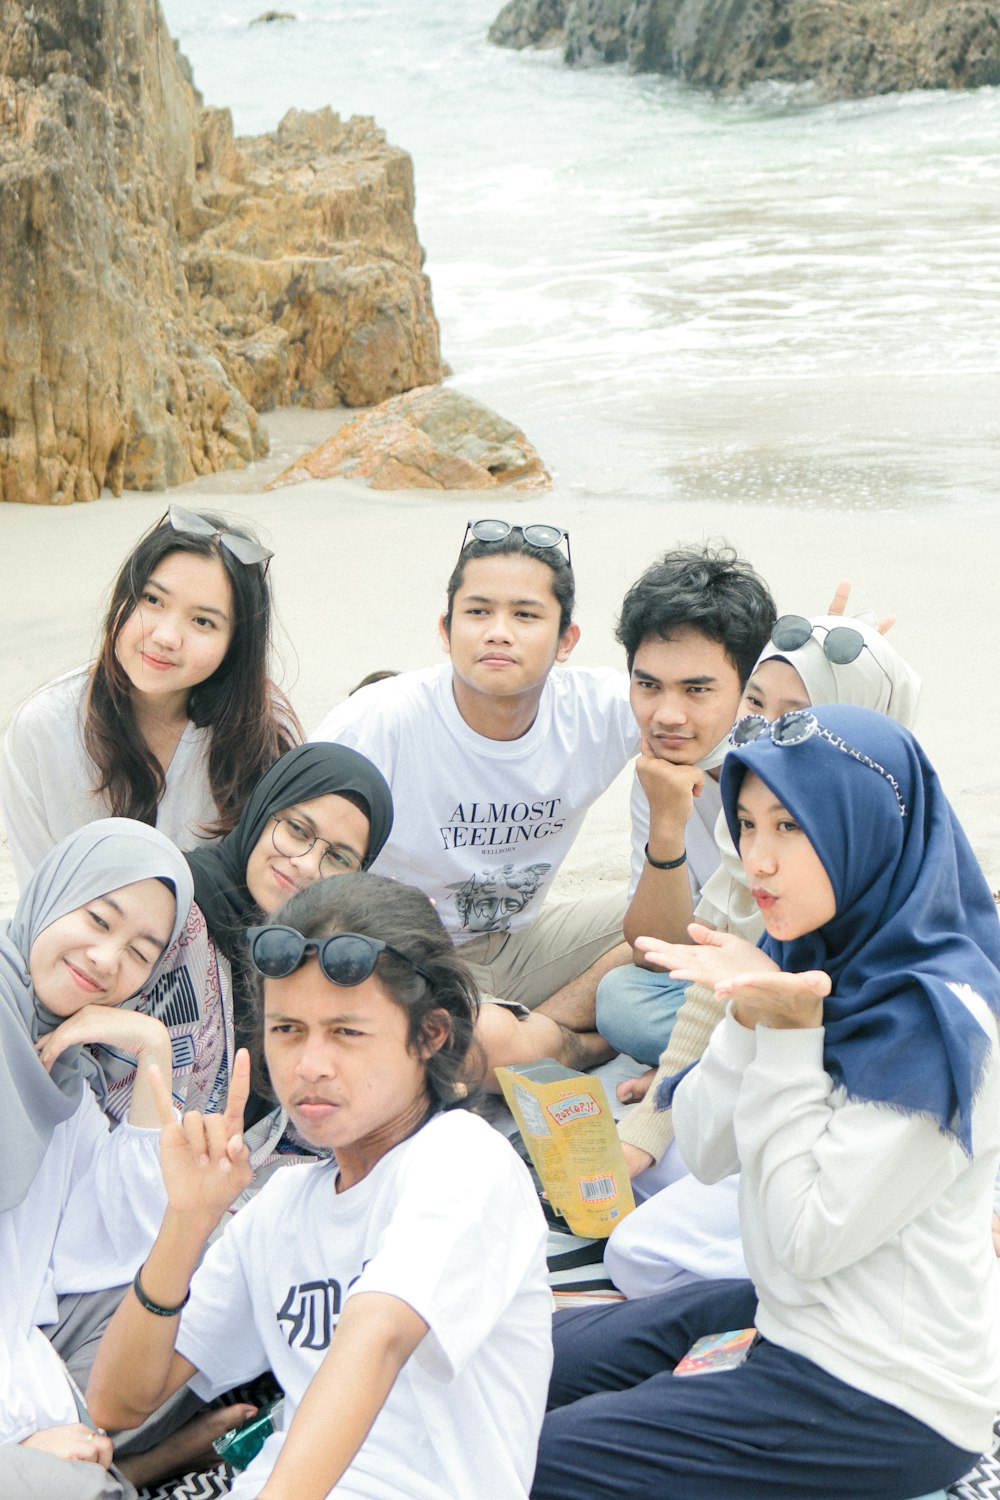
[619, 1424]
[636, 1010]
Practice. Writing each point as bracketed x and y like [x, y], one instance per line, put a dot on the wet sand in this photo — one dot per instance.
[359, 581]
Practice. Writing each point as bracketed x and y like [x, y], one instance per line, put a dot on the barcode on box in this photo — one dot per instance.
[597, 1189]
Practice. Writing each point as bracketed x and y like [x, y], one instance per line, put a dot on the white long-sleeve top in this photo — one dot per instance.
[47, 777]
[866, 1231]
[87, 1223]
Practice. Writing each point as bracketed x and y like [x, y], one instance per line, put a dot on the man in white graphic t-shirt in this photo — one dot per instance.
[493, 759]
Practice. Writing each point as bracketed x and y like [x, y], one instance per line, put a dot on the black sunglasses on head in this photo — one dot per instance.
[536, 534]
[841, 644]
[346, 958]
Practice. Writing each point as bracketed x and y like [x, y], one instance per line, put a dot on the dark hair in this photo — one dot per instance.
[406, 918]
[514, 545]
[252, 722]
[709, 589]
[371, 678]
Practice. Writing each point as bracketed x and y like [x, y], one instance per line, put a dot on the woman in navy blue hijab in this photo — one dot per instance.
[854, 1083]
[914, 915]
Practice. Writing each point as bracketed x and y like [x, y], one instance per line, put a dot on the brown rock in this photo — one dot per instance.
[161, 281]
[305, 259]
[434, 438]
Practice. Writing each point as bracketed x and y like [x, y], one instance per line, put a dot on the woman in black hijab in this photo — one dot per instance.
[320, 810]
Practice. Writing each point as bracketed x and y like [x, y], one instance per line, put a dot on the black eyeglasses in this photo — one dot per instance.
[536, 534]
[293, 839]
[841, 644]
[346, 958]
[799, 725]
[243, 548]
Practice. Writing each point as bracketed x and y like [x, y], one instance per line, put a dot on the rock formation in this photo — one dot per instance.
[530, 23]
[161, 281]
[434, 438]
[842, 48]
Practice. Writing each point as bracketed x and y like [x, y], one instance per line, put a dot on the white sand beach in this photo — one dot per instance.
[359, 581]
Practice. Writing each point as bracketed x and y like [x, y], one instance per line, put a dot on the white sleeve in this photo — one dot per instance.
[218, 1331]
[705, 1103]
[465, 1231]
[833, 1180]
[21, 799]
[115, 1206]
[361, 718]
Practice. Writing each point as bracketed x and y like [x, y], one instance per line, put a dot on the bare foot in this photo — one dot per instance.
[634, 1089]
[188, 1450]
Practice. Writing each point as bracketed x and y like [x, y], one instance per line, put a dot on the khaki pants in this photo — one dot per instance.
[531, 964]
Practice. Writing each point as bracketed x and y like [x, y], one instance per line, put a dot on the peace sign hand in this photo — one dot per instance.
[203, 1158]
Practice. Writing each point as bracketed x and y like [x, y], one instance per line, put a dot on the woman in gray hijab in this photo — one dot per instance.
[79, 1203]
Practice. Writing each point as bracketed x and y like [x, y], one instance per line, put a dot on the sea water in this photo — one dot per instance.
[676, 296]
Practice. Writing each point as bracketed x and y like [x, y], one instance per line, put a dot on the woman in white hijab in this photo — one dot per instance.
[828, 659]
[79, 1203]
[686, 1230]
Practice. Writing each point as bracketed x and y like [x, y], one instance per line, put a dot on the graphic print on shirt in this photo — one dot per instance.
[310, 1311]
[488, 900]
[497, 827]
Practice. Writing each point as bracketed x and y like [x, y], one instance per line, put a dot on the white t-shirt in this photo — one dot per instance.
[86, 1223]
[483, 825]
[449, 1223]
[46, 777]
[866, 1231]
[699, 835]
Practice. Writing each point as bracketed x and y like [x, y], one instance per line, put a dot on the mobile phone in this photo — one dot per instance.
[718, 1351]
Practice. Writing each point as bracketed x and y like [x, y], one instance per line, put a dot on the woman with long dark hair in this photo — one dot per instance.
[176, 719]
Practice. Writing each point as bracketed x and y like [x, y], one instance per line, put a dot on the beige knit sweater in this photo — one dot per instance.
[645, 1126]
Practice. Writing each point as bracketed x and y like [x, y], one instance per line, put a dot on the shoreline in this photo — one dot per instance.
[359, 582]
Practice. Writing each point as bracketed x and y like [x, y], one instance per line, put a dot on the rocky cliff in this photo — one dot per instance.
[842, 48]
[162, 281]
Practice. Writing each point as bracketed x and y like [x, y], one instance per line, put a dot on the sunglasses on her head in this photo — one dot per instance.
[536, 534]
[841, 644]
[243, 548]
[795, 728]
[346, 958]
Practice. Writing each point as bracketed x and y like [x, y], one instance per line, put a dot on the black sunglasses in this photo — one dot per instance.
[346, 958]
[841, 644]
[536, 534]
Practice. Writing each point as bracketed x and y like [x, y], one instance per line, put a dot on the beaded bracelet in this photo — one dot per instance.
[154, 1307]
[665, 864]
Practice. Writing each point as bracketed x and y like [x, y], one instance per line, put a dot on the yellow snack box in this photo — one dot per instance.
[567, 1125]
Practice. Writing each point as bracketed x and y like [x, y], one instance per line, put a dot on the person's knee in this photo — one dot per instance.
[508, 1039]
[614, 1005]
